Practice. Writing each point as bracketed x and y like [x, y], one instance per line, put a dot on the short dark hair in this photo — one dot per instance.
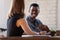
[34, 4]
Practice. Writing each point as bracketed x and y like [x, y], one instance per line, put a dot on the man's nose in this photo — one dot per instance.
[34, 12]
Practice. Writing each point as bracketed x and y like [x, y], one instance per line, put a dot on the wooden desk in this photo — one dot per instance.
[54, 38]
[34, 37]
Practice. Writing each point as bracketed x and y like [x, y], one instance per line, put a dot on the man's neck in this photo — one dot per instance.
[32, 18]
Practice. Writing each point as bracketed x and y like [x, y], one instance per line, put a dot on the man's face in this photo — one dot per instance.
[34, 11]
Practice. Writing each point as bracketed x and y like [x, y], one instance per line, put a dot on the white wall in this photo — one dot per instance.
[58, 16]
[4, 7]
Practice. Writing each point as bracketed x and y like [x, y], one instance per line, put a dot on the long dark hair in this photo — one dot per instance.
[18, 7]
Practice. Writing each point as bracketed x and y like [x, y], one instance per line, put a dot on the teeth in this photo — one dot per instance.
[33, 11]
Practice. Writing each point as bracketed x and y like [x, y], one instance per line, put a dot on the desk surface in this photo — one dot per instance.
[32, 37]
[40, 36]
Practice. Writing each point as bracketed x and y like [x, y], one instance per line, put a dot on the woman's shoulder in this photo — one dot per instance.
[22, 19]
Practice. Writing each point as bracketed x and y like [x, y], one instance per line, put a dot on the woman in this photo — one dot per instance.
[16, 22]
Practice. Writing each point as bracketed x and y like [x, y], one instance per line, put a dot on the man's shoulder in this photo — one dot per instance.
[39, 21]
[27, 18]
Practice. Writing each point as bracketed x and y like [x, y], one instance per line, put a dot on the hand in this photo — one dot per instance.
[43, 32]
[45, 27]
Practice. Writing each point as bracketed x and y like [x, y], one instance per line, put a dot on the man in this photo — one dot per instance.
[35, 24]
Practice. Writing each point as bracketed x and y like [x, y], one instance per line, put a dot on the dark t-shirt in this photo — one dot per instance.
[33, 24]
[12, 29]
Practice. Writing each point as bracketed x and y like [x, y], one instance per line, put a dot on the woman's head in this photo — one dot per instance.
[18, 7]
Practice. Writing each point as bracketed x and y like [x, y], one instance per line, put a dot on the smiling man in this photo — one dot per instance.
[34, 23]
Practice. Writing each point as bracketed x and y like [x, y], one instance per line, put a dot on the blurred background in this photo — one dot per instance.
[49, 12]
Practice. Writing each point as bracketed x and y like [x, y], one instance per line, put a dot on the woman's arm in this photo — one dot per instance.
[23, 23]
